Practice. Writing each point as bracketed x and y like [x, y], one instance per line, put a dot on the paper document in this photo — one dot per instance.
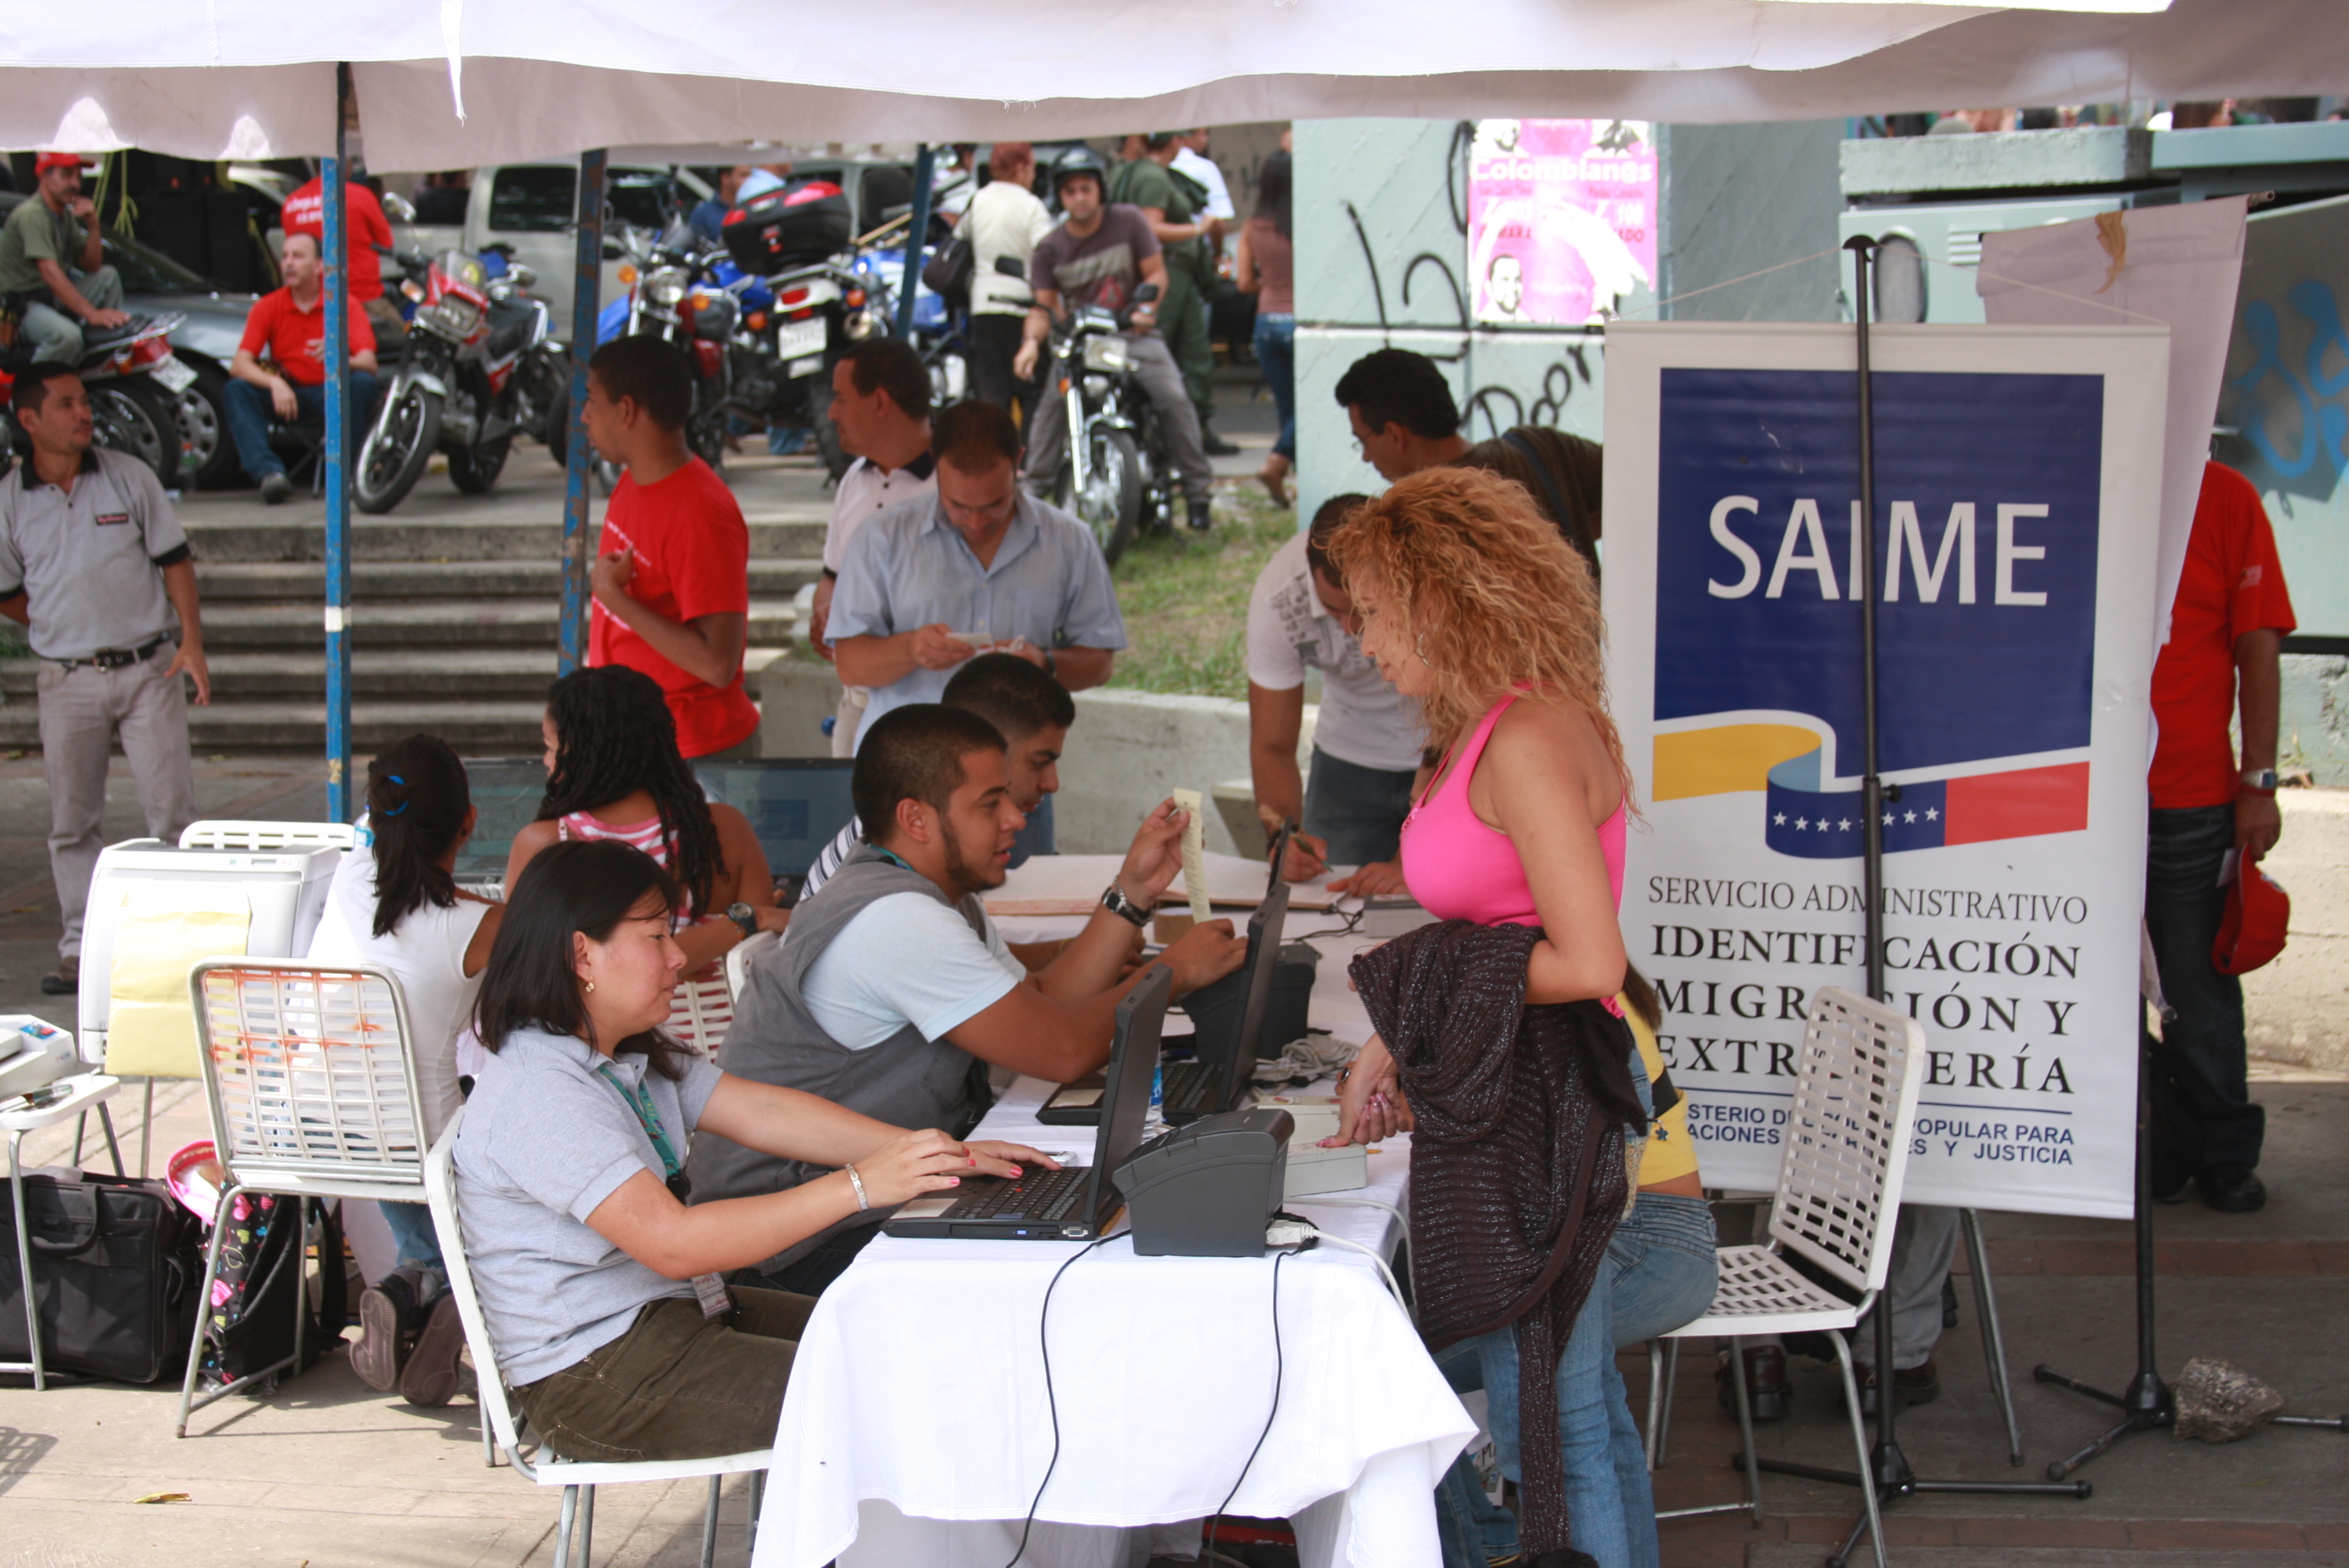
[1050, 885]
[152, 1026]
[1195, 850]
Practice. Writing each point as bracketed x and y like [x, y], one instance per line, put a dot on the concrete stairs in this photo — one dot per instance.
[455, 626]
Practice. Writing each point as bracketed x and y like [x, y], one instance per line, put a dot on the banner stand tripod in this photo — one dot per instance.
[1890, 1470]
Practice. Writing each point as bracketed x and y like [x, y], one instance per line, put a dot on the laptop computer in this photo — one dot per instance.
[1204, 1086]
[1073, 1205]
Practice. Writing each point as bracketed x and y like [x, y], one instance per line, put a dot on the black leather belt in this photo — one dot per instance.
[116, 658]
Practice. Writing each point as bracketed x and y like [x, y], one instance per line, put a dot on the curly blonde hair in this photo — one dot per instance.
[1497, 597]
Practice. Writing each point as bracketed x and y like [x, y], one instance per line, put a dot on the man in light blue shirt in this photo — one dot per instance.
[934, 579]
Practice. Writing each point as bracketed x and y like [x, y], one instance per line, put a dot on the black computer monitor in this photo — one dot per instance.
[796, 805]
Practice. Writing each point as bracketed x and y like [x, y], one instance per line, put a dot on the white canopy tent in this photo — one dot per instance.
[495, 80]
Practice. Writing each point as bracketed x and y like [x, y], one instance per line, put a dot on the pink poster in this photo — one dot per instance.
[1561, 219]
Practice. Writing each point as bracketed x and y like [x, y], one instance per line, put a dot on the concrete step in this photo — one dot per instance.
[776, 533]
[516, 674]
[444, 623]
[373, 581]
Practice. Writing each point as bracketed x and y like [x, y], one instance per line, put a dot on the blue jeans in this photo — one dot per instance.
[1276, 355]
[1359, 810]
[2202, 1049]
[1471, 1528]
[1036, 837]
[412, 1229]
[1663, 1262]
[251, 413]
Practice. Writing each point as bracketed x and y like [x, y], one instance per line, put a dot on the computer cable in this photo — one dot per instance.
[1287, 1230]
[1278, 1364]
[1052, 1404]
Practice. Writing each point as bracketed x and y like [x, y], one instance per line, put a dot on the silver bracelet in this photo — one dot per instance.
[857, 1181]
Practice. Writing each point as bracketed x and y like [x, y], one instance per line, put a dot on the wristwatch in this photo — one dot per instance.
[1051, 664]
[1124, 908]
[745, 918]
[2262, 780]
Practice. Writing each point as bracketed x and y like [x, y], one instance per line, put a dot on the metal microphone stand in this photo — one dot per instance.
[1888, 1468]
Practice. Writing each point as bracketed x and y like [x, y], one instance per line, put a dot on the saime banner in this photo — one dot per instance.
[1561, 219]
[2018, 487]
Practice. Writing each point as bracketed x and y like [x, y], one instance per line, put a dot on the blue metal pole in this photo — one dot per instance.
[585, 285]
[924, 170]
[338, 489]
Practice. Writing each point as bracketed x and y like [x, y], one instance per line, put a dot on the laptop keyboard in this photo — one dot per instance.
[1038, 1195]
[1190, 1086]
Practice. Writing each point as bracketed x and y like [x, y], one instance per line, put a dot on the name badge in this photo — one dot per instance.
[109, 519]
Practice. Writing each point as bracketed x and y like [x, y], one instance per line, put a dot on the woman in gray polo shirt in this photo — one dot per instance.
[601, 1288]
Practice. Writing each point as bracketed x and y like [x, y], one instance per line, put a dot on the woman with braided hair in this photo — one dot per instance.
[613, 771]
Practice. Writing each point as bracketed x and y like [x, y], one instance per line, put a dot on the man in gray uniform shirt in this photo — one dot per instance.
[92, 560]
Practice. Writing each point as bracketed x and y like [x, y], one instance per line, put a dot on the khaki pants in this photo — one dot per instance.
[83, 709]
[676, 1385]
[848, 719]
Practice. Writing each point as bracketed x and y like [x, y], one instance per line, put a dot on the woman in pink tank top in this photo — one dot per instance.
[1473, 604]
[613, 771]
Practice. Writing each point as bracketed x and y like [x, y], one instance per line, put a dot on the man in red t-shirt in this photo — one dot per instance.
[672, 572]
[289, 328]
[2226, 629]
[364, 229]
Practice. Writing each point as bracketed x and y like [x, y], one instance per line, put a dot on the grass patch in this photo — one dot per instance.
[1184, 597]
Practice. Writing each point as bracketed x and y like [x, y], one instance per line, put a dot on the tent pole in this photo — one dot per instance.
[337, 459]
[925, 159]
[585, 285]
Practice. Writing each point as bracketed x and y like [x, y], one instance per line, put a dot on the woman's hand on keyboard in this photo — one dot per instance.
[1015, 1154]
[927, 1161]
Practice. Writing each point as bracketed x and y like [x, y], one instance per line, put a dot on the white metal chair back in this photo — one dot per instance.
[223, 833]
[310, 1073]
[1856, 1083]
[441, 1193]
[743, 955]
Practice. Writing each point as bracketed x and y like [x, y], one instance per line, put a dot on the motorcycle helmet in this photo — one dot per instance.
[1076, 161]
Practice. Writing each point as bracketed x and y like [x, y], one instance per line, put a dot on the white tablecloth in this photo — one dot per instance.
[916, 1428]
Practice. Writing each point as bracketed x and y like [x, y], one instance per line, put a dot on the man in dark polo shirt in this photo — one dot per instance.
[93, 564]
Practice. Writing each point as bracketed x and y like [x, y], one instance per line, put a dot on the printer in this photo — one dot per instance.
[33, 1053]
[1207, 1189]
[283, 892]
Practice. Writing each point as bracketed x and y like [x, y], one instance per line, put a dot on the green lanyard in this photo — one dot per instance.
[642, 1104]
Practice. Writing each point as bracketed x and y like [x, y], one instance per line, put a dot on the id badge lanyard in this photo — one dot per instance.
[710, 1289]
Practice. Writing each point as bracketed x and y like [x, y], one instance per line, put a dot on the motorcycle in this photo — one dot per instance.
[675, 293]
[479, 363]
[134, 386]
[941, 331]
[1117, 478]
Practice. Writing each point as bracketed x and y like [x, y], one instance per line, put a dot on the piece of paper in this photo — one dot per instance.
[159, 935]
[1195, 850]
[1054, 885]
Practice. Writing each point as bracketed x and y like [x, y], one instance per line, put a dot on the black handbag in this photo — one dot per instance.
[948, 274]
[249, 1324]
[115, 1264]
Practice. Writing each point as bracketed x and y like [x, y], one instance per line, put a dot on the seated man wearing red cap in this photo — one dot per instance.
[2226, 628]
[54, 259]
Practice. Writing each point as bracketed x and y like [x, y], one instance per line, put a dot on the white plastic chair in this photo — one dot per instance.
[310, 1079]
[578, 1479]
[1846, 1152]
[225, 833]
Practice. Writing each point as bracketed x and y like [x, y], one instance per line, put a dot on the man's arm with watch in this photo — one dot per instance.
[2259, 680]
[1095, 958]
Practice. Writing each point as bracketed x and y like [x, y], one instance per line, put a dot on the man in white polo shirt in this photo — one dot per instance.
[1367, 743]
[881, 405]
[94, 565]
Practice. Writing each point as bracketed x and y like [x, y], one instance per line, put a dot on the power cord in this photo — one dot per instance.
[1052, 1404]
[1289, 1232]
[1277, 1368]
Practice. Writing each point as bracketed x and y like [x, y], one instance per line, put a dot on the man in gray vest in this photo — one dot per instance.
[893, 993]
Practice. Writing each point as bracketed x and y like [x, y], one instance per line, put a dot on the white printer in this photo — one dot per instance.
[282, 890]
[33, 1053]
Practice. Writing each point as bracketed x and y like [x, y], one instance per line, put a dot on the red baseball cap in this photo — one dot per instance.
[48, 161]
[2252, 931]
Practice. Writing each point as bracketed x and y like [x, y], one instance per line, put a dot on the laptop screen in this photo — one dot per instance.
[1132, 1069]
[1279, 859]
[1264, 957]
[796, 805]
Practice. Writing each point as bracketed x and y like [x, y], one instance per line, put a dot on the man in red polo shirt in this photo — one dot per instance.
[289, 327]
[364, 227]
[672, 572]
[2226, 629]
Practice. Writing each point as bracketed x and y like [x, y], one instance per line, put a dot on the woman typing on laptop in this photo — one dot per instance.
[600, 1286]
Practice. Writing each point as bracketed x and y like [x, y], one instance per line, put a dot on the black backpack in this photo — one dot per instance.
[249, 1324]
